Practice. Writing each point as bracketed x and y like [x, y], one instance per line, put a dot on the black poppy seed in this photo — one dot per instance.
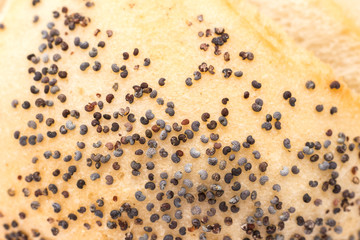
[72, 216]
[54, 231]
[295, 170]
[170, 111]
[94, 176]
[83, 45]
[306, 198]
[56, 154]
[81, 210]
[287, 143]
[97, 66]
[34, 90]
[51, 134]
[211, 125]
[109, 98]
[319, 108]
[318, 145]
[66, 176]
[147, 61]
[16, 134]
[80, 145]
[300, 155]
[334, 85]
[40, 138]
[236, 171]
[115, 68]
[310, 84]
[313, 183]
[248, 166]
[225, 100]
[98, 213]
[32, 124]
[35, 20]
[62, 98]
[333, 110]
[62, 129]
[93, 52]
[162, 81]
[287, 95]
[80, 183]
[53, 188]
[83, 129]
[256, 84]
[257, 106]
[292, 101]
[136, 52]
[57, 207]
[101, 44]
[14, 103]
[77, 41]
[223, 121]
[238, 74]
[150, 185]
[188, 82]
[263, 180]
[268, 117]
[42, 47]
[267, 126]
[40, 102]
[58, 41]
[84, 66]
[285, 171]
[205, 117]
[263, 166]
[218, 41]
[259, 101]
[26, 105]
[48, 121]
[154, 217]
[56, 57]
[337, 189]
[64, 46]
[246, 55]
[46, 89]
[115, 214]
[35, 205]
[72, 169]
[227, 72]
[228, 177]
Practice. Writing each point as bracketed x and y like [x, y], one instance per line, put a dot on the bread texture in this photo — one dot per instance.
[222, 155]
[329, 28]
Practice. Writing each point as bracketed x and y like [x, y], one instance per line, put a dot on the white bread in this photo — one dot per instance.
[329, 28]
[167, 33]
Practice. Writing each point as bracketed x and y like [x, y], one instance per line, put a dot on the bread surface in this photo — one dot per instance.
[167, 32]
[329, 28]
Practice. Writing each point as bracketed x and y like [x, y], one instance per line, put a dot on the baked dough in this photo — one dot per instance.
[328, 28]
[281, 205]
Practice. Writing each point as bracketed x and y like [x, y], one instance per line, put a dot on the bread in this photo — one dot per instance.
[276, 190]
[329, 28]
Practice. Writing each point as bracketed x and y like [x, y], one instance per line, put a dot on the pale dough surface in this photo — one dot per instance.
[328, 28]
[162, 31]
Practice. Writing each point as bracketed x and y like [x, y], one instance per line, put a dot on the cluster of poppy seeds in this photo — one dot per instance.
[171, 190]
